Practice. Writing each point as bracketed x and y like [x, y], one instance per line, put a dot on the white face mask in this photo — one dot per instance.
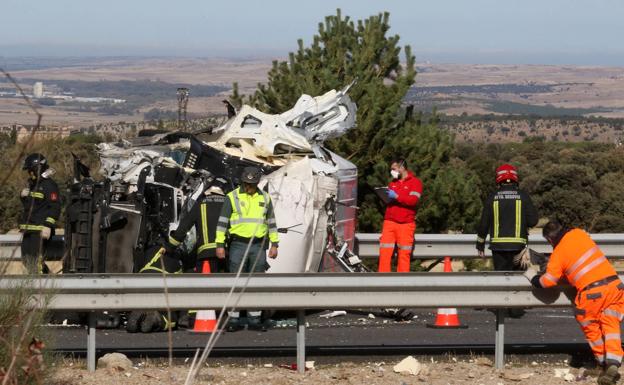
[395, 174]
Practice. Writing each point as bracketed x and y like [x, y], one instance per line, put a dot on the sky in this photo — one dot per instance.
[588, 32]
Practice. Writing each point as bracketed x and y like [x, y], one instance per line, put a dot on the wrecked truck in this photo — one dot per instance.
[150, 183]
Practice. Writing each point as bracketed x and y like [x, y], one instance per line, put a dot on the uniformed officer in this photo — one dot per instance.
[203, 216]
[42, 208]
[247, 218]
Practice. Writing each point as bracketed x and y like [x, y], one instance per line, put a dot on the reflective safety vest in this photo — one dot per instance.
[247, 216]
[507, 215]
[579, 259]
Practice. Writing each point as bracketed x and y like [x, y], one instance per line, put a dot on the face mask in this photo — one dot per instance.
[395, 174]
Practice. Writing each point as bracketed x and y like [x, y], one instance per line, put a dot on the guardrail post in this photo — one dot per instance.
[301, 327]
[499, 345]
[91, 343]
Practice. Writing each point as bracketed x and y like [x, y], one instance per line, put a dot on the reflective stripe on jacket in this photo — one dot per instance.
[203, 215]
[403, 208]
[42, 206]
[578, 259]
[247, 216]
[507, 215]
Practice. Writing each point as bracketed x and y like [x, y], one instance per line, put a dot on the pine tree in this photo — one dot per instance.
[344, 51]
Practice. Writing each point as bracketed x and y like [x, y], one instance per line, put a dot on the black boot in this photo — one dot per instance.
[255, 323]
[234, 325]
[610, 376]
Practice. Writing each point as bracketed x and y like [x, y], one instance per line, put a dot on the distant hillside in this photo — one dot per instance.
[499, 129]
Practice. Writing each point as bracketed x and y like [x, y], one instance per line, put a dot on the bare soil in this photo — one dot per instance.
[470, 372]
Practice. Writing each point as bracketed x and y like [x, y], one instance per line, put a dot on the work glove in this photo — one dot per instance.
[392, 195]
[25, 192]
[530, 273]
[46, 232]
[523, 259]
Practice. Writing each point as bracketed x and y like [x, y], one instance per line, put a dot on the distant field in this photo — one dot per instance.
[150, 83]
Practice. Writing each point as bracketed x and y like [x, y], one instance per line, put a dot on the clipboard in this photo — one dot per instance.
[382, 194]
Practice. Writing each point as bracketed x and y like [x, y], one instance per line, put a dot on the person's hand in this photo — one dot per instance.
[481, 254]
[530, 273]
[273, 252]
[392, 194]
[25, 192]
[220, 252]
[46, 232]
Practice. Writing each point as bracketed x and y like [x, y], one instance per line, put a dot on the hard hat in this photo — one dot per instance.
[506, 173]
[35, 161]
[251, 175]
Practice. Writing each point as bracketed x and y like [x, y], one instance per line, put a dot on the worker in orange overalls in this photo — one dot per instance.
[600, 299]
[400, 220]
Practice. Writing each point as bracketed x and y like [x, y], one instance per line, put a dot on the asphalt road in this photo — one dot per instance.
[540, 331]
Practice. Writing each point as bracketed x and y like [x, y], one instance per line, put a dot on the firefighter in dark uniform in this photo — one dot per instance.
[508, 213]
[203, 215]
[42, 208]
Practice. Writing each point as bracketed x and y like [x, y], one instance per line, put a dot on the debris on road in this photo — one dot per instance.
[335, 313]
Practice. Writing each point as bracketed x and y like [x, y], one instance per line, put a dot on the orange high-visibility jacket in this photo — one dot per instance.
[578, 259]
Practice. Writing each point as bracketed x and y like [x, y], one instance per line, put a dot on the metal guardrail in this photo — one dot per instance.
[427, 246]
[10, 247]
[462, 246]
[292, 291]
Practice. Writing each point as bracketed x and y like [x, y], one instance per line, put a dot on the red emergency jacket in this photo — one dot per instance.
[403, 208]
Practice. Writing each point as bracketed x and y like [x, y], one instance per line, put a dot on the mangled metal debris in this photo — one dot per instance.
[151, 182]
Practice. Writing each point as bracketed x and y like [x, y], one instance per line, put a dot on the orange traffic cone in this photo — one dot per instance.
[205, 320]
[447, 317]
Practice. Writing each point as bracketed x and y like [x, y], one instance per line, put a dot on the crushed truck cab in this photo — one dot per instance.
[151, 182]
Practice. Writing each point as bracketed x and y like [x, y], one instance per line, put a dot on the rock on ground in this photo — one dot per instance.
[114, 361]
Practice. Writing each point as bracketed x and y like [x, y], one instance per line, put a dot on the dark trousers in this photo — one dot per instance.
[255, 262]
[33, 253]
[503, 260]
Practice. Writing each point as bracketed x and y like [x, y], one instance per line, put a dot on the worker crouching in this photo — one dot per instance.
[599, 303]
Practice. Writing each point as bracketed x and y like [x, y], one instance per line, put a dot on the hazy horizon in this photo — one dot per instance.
[557, 32]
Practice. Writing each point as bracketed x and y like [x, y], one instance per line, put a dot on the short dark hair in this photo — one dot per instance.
[400, 161]
[552, 229]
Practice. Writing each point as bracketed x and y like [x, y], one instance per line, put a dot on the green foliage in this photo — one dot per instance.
[580, 184]
[344, 51]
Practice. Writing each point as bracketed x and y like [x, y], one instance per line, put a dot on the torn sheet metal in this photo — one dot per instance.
[298, 194]
[160, 176]
[311, 121]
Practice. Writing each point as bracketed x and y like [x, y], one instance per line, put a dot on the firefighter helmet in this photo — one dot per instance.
[506, 174]
[35, 162]
[251, 175]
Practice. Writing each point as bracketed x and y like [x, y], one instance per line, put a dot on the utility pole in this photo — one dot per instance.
[183, 95]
